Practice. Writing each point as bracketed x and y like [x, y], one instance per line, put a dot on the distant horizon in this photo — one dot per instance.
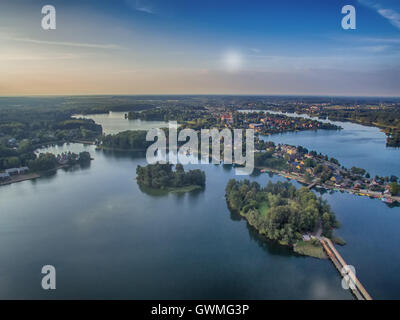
[197, 94]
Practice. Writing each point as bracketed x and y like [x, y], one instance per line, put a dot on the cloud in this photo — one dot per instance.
[382, 40]
[31, 57]
[255, 50]
[145, 9]
[69, 44]
[138, 5]
[375, 49]
[390, 14]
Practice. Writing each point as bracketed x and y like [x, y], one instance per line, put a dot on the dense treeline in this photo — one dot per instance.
[48, 161]
[265, 159]
[23, 128]
[18, 140]
[15, 157]
[170, 113]
[161, 176]
[280, 211]
[127, 140]
[44, 130]
[388, 117]
[43, 162]
[394, 188]
[393, 139]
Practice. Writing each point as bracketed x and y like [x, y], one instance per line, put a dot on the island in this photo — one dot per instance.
[282, 213]
[161, 177]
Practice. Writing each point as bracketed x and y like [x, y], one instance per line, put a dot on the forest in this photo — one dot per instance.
[161, 176]
[279, 211]
[126, 140]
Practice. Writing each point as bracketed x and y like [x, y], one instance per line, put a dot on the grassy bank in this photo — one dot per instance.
[310, 248]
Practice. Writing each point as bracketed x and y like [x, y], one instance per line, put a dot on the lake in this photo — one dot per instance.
[108, 239]
[114, 122]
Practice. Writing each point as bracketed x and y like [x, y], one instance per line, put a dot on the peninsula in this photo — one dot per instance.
[282, 213]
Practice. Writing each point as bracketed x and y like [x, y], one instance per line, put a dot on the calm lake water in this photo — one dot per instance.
[108, 239]
[115, 122]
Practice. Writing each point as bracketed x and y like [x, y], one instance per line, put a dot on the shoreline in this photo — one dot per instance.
[33, 175]
[316, 251]
[361, 192]
[20, 178]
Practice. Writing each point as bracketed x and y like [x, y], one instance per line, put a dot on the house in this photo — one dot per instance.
[293, 164]
[12, 171]
[336, 178]
[332, 166]
[346, 184]
[373, 183]
[289, 149]
[256, 126]
[357, 185]
[17, 171]
[23, 170]
[227, 117]
[387, 191]
[12, 142]
[4, 176]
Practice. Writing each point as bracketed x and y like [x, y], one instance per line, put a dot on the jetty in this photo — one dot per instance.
[354, 284]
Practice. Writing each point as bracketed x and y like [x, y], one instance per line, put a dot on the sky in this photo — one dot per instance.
[200, 47]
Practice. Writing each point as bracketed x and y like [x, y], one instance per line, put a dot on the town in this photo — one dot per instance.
[319, 170]
[262, 122]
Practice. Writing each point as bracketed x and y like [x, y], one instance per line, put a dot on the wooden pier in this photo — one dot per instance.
[355, 285]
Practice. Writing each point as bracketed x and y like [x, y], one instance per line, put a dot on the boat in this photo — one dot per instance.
[387, 200]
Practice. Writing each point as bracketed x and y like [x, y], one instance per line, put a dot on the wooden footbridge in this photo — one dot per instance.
[354, 284]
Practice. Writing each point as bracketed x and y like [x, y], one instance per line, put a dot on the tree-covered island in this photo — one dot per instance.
[161, 177]
[283, 213]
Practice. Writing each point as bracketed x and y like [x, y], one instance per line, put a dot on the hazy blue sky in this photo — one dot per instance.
[185, 46]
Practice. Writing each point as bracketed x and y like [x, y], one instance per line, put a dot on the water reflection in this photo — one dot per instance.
[270, 247]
